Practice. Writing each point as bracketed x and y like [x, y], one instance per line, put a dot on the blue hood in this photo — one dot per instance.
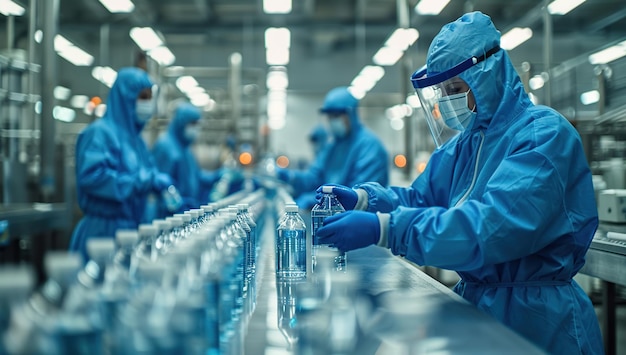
[185, 114]
[339, 101]
[494, 82]
[122, 100]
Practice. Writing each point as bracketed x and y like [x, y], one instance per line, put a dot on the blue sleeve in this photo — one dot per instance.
[520, 211]
[166, 158]
[312, 178]
[370, 162]
[420, 193]
[99, 169]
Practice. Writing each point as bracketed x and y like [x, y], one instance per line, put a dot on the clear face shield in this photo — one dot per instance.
[445, 98]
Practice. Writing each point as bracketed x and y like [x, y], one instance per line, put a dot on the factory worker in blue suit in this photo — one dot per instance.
[114, 169]
[353, 155]
[173, 155]
[506, 199]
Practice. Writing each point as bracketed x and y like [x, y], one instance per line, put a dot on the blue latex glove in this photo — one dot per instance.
[350, 230]
[346, 196]
[282, 175]
[160, 181]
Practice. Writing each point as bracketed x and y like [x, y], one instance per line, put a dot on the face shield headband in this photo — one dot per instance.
[443, 103]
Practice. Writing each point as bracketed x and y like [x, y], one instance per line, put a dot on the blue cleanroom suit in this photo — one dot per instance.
[358, 157]
[508, 203]
[172, 155]
[114, 170]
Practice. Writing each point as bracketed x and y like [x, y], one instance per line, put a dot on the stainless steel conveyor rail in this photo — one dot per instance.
[606, 260]
[443, 323]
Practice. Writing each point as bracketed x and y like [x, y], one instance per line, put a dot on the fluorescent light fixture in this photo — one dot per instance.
[430, 7]
[79, 101]
[276, 108]
[561, 7]
[357, 92]
[9, 8]
[62, 93]
[397, 124]
[515, 37]
[63, 113]
[413, 101]
[200, 99]
[387, 56]
[146, 38]
[71, 53]
[100, 110]
[118, 6]
[105, 75]
[590, 97]
[609, 54]
[277, 56]
[402, 38]
[277, 6]
[186, 83]
[277, 37]
[38, 36]
[372, 72]
[277, 79]
[536, 82]
[162, 55]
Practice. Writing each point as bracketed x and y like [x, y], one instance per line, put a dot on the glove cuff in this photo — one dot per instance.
[383, 220]
[362, 200]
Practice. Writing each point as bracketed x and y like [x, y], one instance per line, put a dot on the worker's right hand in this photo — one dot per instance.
[160, 181]
[346, 195]
[283, 175]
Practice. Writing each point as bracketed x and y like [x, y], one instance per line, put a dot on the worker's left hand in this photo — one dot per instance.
[350, 230]
[160, 181]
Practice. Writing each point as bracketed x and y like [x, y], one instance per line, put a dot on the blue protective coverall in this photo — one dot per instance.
[114, 170]
[173, 156]
[358, 157]
[508, 203]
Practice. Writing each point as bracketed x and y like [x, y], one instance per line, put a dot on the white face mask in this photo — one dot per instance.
[454, 110]
[144, 110]
[337, 127]
[191, 132]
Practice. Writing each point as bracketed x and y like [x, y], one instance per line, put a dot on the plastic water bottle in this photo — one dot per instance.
[145, 247]
[161, 242]
[328, 206]
[100, 252]
[188, 228]
[16, 284]
[177, 231]
[70, 323]
[249, 225]
[125, 239]
[291, 246]
[172, 199]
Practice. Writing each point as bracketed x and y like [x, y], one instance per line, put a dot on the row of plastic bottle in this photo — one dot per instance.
[183, 285]
[316, 310]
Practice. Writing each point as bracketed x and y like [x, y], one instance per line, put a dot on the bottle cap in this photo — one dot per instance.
[186, 217]
[291, 208]
[148, 230]
[327, 189]
[100, 249]
[162, 225]
[62, 266]
[208, 208]
[242, 206]
[175, 221]
[126, 237]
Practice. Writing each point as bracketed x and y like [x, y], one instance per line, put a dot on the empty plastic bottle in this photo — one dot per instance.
[291, 246]
[125, 240]
[162, 241]
[328, 206]
[145, 248]
[16, 284]
[172, 199]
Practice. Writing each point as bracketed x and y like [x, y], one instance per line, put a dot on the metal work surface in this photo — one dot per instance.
[399, 309]
[33, 218]
[606, 258]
